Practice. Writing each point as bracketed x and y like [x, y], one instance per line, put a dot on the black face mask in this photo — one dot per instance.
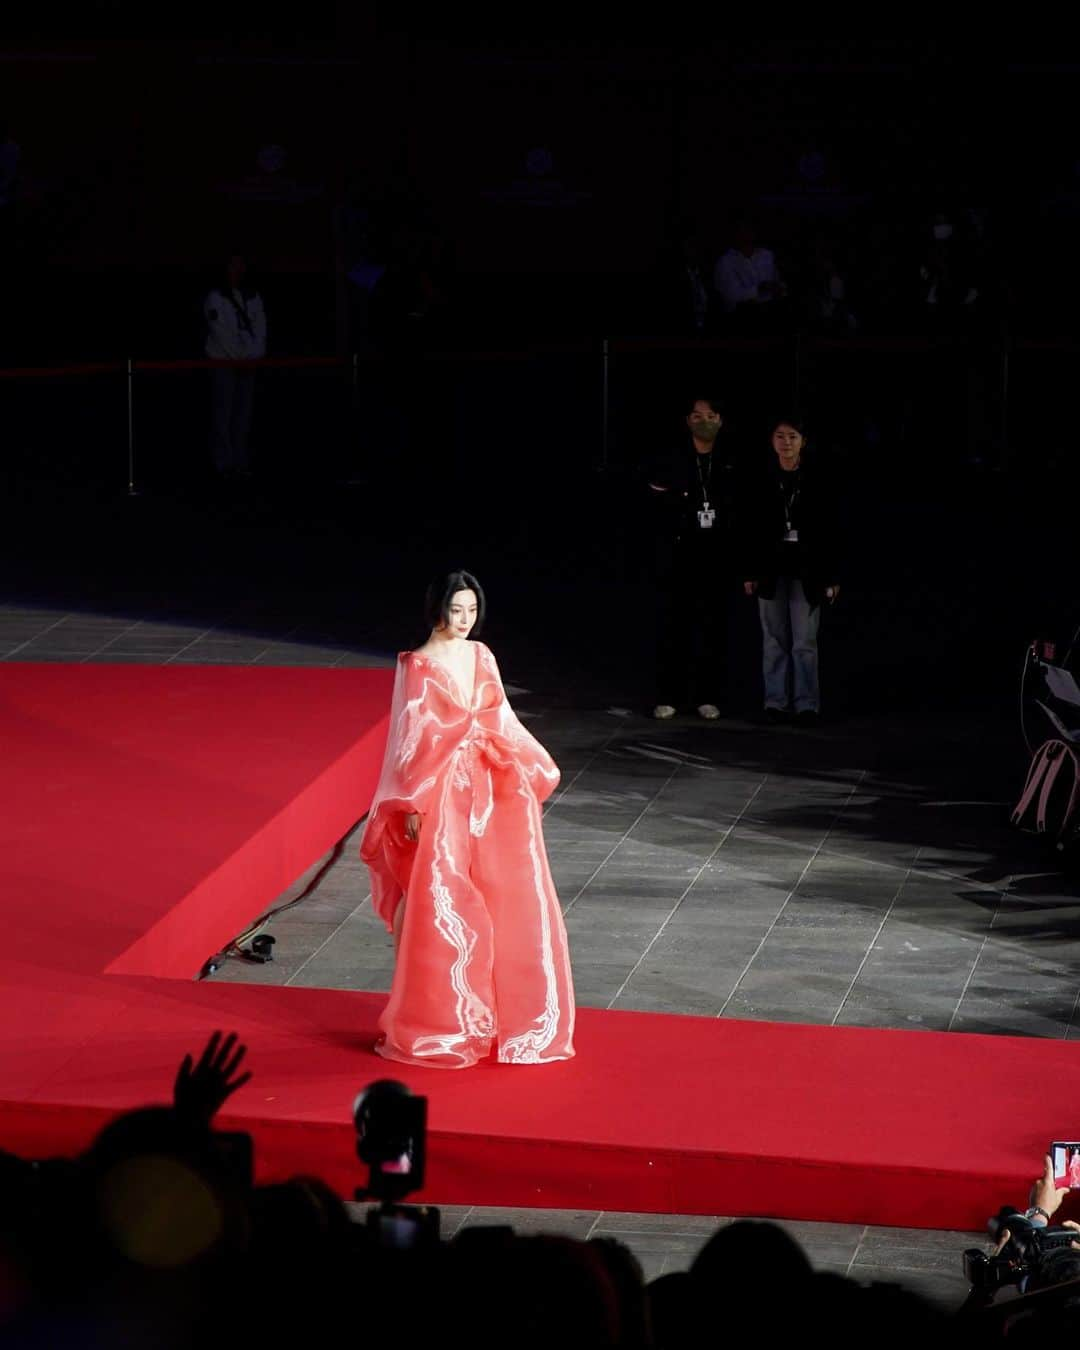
[705, 431]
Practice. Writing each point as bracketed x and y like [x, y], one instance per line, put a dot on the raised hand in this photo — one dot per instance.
[201, 1089]
[1044, 1189]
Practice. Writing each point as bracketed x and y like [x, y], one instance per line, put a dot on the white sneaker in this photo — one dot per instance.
[663, 711]
[709, 711]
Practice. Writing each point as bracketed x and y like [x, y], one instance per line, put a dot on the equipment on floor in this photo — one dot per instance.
[1050, 705]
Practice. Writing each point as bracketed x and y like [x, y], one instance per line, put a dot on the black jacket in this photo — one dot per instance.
[678, 485]
[767, 494]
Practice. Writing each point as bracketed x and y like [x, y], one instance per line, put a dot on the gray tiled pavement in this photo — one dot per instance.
[859, 874]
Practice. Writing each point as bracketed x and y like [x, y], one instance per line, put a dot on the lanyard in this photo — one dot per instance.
[789, 500]
[240, 304]
[704, 479]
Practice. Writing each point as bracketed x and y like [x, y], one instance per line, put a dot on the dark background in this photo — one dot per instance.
[139, 171]
[541, 185]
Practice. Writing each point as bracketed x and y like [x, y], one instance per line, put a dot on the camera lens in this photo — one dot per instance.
[391, 1125]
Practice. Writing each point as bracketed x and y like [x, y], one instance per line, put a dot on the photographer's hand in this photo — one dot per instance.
[1045, 1194]
[201, 1089]
[1071, 1223]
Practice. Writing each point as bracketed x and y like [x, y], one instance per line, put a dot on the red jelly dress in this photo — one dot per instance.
[483, 963]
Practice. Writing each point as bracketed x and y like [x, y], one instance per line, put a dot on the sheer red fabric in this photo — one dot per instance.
[483, 963]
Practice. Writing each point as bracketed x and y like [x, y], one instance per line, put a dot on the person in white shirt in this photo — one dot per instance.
[235, 331]
[746, 276]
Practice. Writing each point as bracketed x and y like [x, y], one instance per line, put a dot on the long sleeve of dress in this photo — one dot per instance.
[416, 752]
[428, 728]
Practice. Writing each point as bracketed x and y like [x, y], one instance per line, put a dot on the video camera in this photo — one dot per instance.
[391, 1137]
[1031, 1253]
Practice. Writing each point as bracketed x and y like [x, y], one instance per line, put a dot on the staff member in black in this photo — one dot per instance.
[788, 553]
[690, 490]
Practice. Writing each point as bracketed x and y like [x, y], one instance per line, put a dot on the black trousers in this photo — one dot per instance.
[694, 593]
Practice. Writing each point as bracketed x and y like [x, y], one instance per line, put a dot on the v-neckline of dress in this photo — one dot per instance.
[460, 699]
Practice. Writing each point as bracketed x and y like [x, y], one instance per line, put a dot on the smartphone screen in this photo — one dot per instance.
[401, 1232]
[1066, 1158]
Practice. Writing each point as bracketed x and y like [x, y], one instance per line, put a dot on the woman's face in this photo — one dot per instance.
[787, 441]
[462, 613]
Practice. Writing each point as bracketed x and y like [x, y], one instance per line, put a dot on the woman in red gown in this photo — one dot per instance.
[459, 873]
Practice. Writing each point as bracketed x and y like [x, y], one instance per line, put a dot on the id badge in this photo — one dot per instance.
[705, 518]
[791, 537]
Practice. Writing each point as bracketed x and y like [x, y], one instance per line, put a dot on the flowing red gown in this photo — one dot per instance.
[482, 963]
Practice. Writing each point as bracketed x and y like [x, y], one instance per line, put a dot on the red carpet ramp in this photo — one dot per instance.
[149, 812]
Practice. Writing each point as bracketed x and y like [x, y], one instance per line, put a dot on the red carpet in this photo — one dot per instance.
[147, 808]
[153, 810]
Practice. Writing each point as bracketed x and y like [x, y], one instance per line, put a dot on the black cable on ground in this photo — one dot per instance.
[235, 950]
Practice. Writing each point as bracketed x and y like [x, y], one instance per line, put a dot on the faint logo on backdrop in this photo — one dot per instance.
[271, 158]
[815, 189]
[540, 188]
[539, 162]
[268, 182]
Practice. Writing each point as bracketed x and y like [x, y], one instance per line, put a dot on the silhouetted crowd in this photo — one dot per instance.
[157, 1236]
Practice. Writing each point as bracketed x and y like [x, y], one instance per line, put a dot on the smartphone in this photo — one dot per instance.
[1065, 1154]
[404, 1227]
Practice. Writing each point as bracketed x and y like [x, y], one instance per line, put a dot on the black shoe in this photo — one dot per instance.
[774, 716]
[809, 717]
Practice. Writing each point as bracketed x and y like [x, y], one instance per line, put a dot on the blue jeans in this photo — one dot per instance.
[789, 628]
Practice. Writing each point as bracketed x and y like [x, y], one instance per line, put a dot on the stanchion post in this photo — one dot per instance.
[1005, 449]
[604, 418]
[132, 491]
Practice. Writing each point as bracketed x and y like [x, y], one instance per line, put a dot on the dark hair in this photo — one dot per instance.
[1056, 1267]
[743, 221]
[249, 285]
[443, 589]
[699, 397]
[789, 419]
[752, 1256]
